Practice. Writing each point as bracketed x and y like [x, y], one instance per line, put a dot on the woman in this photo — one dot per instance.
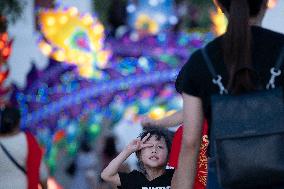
[21, 164]
[243, 56]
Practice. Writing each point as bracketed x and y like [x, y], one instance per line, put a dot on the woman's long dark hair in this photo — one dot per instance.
[237, 43]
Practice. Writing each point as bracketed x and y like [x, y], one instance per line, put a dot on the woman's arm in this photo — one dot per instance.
[110, 173]
[166, 122]
[193, 119]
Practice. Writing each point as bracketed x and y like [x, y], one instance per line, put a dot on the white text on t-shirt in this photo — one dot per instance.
[161, 187]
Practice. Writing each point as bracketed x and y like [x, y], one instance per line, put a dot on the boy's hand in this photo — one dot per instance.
[138, 144]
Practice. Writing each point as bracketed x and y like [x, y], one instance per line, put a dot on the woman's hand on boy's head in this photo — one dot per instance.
[138, 144]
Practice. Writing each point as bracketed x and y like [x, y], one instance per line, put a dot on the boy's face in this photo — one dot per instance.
[156, 155]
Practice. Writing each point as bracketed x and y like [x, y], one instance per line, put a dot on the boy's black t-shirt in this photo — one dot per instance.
[137, 180]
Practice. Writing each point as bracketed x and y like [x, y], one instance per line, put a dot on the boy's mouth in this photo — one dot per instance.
[153, 158]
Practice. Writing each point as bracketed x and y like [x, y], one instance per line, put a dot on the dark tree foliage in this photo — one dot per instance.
[103, 9]
[10, 11]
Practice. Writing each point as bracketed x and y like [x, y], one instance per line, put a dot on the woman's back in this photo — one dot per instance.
[243, 57]
[195, 78]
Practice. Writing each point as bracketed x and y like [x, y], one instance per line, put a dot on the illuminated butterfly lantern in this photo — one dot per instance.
[151, 16]
[74, 38]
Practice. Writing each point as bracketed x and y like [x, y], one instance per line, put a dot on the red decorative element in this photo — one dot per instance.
[5, 51]
[59, 136]
[3, 76]
[5, 48]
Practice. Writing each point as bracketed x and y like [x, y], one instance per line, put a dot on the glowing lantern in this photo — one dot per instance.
[219, 21]
[45, 48]
[5, 51]
[151, 16]
[145, 23]
[59, 135]
[5, 47]
[157, 113]
[271, 3]
[73, 38]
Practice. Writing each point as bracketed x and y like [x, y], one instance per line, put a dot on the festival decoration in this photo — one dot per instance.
[61, 107]
[79, 42]
[219, 20]
[5, 47]
[271, 3]
[5, 51]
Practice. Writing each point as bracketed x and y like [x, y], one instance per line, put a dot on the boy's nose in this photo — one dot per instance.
[154, 150]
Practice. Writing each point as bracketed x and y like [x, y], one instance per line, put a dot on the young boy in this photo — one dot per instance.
[152, 150]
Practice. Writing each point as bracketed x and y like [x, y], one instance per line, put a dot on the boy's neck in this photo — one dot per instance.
[153, 173]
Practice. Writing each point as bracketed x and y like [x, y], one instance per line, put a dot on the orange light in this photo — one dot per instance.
[157, 113]
[59, 56]
[63, 19]
[6, 52]
[171, 112]
[2, 44]
[58, 136]
[73, 11]
[1, 78]
[45, 48]
[219, 21]
[86, 71]
[88, 19]
[4, 37]
[98, 29]
[271, 4]
[50, 21]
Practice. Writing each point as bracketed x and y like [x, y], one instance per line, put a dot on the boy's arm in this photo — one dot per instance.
[110, 173]
[168, 121]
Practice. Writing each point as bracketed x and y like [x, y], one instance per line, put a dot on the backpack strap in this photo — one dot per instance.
[13, 159]
[217, 79]
[276, 70]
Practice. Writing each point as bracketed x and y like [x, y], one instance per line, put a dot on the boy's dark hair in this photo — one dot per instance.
[159, 133]
[9, 119]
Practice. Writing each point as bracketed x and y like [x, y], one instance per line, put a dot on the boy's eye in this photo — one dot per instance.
[161, 147]
[150, 145]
